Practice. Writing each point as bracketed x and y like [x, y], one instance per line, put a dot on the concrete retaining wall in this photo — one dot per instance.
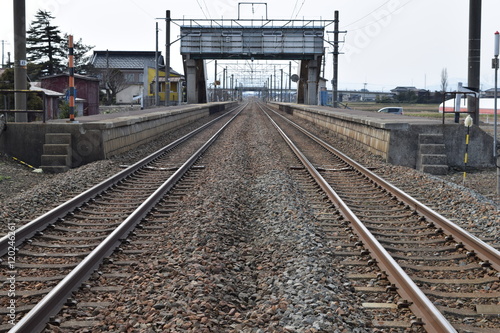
[397, 142]
[92, 141]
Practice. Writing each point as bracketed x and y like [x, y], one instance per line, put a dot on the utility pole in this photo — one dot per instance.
[290, 81]
[495, 135]
[20, 64]
[271, 86]
[473, 76]
[335, 59]
[157, 76]
[281, 82]
[232, 87]
[215, 81]
[167, 60]
[3, 45]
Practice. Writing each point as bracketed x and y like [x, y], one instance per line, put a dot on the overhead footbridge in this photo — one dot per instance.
[301, 40]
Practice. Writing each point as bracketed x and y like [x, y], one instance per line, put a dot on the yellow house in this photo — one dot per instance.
[176, 86]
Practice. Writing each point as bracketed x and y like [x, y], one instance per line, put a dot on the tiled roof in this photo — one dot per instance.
[123, 59]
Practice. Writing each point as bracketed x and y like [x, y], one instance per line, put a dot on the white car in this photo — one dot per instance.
[393, 110]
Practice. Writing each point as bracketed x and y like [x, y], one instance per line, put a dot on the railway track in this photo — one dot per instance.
[445, 267]
[47, 259]
[447, 277]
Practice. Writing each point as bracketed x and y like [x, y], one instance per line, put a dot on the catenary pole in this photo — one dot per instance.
[495, 135]
[473, 77]
[335, 59]
[167, 60]
[20, 64]
[157, 76]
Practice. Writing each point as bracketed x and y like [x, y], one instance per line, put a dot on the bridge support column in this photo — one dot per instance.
[312, 82]
[308, 85]
[195, 81]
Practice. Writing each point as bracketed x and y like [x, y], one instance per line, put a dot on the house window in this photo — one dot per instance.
[141, 77]
[130, 77]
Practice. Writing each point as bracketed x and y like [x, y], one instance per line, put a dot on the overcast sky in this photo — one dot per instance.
[388, 43]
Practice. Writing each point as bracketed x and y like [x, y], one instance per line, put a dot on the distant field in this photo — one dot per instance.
[416, 110]
[408, 108]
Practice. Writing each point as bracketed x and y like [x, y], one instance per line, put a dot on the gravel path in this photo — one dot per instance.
[243, 254]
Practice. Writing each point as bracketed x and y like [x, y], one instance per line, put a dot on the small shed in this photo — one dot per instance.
[86, 87]
[52, 100]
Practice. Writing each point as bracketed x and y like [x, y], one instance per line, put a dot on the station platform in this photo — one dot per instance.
[421, 143]
[58, 145]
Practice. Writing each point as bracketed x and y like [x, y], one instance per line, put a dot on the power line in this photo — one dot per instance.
[198, 1]
[373, 11]
[300, 8]
[206, 7]
[380, 19]
[294, 7]
[141, 8]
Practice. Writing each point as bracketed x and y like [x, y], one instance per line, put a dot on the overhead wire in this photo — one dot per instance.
[303, 1]
[141, 8]
[206, 7]
[203, 11]
[379, 19]
[373, 11]
[294, 7]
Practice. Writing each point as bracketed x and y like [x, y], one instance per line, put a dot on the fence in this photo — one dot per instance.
[6, 102]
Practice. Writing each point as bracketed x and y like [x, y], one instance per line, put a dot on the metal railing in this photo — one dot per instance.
[6, 110]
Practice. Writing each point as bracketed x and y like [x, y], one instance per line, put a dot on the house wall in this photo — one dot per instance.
[126, 95]
[174, 86]
[85, 89]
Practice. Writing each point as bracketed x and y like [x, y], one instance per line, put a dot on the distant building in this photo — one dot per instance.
[138, 68]
[490, 93]
[87, 89]
[176, 87]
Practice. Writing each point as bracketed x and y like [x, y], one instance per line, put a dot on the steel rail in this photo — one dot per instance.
[40, 223]
[36, 319]
[486, 252]
[421, 306]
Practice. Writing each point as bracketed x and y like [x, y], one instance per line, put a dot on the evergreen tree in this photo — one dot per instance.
[80, 52]
[44, 44]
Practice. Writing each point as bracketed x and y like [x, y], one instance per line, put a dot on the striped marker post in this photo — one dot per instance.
[71, 80]
[468, 123]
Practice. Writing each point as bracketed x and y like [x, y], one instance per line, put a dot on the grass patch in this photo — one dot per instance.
[2, 178]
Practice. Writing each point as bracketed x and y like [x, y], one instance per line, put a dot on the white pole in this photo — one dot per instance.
[495, 150]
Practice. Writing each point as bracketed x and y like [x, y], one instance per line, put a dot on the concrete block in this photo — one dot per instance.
[430, 139]
[435, 169]
[56, 160]
[432, 149]
[54, 169]
[56, 149]
[435, 159]
[58, 138]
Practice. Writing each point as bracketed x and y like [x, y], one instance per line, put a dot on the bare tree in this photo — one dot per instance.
[114, 82]
[444, 80]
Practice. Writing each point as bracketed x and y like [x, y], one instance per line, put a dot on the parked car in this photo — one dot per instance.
[393, 110]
